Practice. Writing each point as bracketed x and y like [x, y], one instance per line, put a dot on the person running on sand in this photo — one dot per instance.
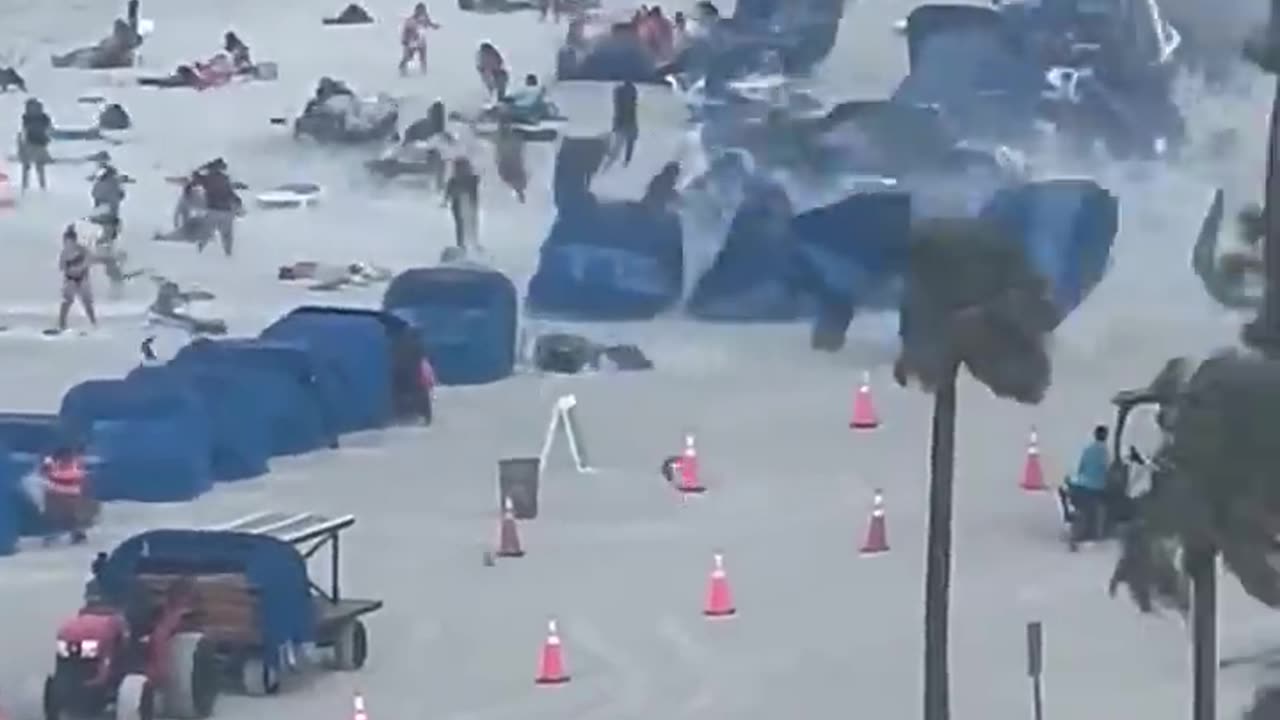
[222, 202]
[492, 69]
[33, 143]
[74, 262]
[462, 195]
[413, 38]
[509, 151]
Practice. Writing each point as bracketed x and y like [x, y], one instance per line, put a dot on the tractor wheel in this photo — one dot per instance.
[51, 701]
[191, 689]
[351, 646]
[257, 679]
[136, 699]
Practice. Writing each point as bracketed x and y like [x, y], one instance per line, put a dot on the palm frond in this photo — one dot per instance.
[971, 295]
[1148, 565]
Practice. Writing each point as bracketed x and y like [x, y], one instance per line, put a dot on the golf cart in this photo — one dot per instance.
[172, 615]
[1118, 508]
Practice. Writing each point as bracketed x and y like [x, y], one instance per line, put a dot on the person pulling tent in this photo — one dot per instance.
[428, 145]
[335, 114]
[117, 50]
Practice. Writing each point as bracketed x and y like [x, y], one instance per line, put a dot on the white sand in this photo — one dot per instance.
[616, 556]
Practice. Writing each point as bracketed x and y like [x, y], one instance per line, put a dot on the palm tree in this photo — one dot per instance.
[971, 300]
[1212, 496]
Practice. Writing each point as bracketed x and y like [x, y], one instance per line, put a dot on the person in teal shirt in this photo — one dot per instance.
[1088, 486]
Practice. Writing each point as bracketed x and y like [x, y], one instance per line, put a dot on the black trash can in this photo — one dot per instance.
[518, 480]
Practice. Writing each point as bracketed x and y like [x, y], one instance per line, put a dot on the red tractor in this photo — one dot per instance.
[134, 663]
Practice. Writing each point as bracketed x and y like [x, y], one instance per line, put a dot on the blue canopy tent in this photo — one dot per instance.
[465, 318]
[31, 434]
[358, 346]
[239, 434]
[965, 61]
[288, 386]
[604, 259]
[150, 439]
[1068, 227]
[275, 569]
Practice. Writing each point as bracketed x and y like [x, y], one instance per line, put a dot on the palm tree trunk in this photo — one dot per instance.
[1202, 567]
[1264, 332]
[937, 578]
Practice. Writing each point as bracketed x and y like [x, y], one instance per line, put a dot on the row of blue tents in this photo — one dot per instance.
[220, 410]
[607, 259]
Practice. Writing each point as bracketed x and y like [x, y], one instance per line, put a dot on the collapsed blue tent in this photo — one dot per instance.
[284, 381]
[775, 268]
[358, 347]
[150, 439]
[240, 435]
[755, 276]
[604, 259]
[284, 613]
[1068, 227]
[465, 319]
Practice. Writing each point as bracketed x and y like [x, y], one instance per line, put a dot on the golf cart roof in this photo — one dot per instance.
[1131, 398]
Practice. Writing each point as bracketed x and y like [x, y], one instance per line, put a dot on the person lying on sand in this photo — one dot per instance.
[334, 277]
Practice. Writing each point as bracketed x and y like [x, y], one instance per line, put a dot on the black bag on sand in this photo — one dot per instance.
[114, 117]
[563, 353]
[351, 15]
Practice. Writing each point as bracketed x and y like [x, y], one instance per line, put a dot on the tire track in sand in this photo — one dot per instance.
[701, 662]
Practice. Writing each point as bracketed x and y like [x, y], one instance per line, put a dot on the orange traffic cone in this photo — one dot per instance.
[877, 532]
[719, 598]
[688, 467]
[508, 534]
[551, 665]
[864, 409]
[357, 705]
[1032, 470]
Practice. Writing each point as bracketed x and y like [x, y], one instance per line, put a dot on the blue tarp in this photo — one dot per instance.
[150, 439]
[275, 569]
[1068, 227]
[33, 434]
[604, 259]
[357, 346]
[465, 318]
[290, 389]
[11, 501]
[239, 434]
[774, 267]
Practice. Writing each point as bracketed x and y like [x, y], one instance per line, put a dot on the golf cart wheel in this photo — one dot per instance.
[51, 701]
[191, 689]
[351, 646]
[258, 679]
[136, 699]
